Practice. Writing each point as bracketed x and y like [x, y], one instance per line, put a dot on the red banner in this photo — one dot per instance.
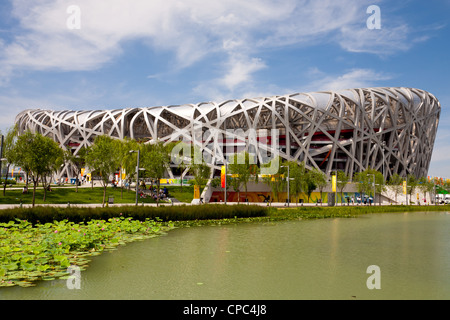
[222, 176]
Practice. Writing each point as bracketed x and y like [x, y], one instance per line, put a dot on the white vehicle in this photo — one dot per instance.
[447, 199]
[439, 198]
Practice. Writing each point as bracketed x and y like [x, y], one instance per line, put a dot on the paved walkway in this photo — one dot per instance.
[175, 203]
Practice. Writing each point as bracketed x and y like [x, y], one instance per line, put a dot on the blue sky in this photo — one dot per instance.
[145, 53]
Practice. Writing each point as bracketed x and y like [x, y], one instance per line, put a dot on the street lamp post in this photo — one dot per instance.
[1, 156]
[335, 190]
[407, 190]
[374, 192]
[288, 182]
[372, 174]
[137, 173]
[225, 196]
[383, 145]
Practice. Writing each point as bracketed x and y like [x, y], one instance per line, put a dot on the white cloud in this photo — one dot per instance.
[233, 33]
[310, 22]
[355, 78]
[240, 70]
[190, 30]
[236, 78]
[384, 41]
[13, 104]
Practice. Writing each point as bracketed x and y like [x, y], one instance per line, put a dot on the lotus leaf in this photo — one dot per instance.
[44, 251]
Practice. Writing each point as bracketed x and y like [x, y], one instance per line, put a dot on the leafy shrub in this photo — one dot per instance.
[9, 181]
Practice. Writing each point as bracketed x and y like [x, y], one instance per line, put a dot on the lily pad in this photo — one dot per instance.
[25, 284]
[7, 284]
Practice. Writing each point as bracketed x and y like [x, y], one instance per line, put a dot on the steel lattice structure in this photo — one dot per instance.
[388, 129]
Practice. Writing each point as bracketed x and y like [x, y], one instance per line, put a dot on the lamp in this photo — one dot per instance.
[137, 173]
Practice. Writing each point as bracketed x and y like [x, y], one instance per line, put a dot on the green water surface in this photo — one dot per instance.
[314, 259]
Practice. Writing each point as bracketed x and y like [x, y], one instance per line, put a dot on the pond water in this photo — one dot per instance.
[314, 259]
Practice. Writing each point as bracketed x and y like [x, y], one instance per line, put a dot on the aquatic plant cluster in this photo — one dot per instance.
[45, 251]
[40, 243]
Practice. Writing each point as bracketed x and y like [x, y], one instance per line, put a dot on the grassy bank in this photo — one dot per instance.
[63, 195]
[346, 211]
[308, 212]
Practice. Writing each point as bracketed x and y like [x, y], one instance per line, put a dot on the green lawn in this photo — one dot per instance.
[185, 194]
[65, 195]
[88, 195]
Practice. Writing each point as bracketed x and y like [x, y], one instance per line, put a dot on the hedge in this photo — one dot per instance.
[41, 214]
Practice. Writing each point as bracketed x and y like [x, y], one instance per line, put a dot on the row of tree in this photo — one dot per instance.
[107, 155]
[303, 181]
[413, 184]
[40, 157]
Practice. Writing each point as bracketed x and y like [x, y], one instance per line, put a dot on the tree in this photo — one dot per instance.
[127, 160]
[8, 152]
[236, 181]
[189, 159]
[243, 170]
[217, 183]
[366, 182]
[52, 166]
[37, 154]
[297, 174]
[395, 181]
[445, 184]
[426, 186]
[201, 173]
[309, 184]
[363, 185]
[341, 182]
[155, 159]
[78, 161]
[276, 182]
[103, 158]
[320, 180]
[411, 184]
[183, 161]
[199, 169]
[379, 184]
[236, 185]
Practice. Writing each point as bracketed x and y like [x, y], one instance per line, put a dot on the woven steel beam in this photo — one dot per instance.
[349, 130]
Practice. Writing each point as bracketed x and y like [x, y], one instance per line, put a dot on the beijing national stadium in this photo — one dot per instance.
[391, 130]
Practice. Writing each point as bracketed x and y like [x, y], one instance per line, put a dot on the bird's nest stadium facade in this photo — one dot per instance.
[388, 129]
